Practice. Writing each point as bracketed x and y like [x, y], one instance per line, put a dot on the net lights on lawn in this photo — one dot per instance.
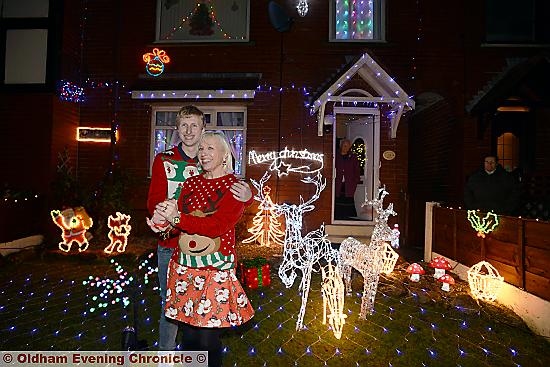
[155, 61]
[279, 161]
[332, 289]
[483, 225]
[485, 281]
[265, 225]
[112, 290]
[368, 260]
[74, 222]
[119, 230]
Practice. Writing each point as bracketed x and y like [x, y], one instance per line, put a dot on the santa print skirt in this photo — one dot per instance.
[206, 297]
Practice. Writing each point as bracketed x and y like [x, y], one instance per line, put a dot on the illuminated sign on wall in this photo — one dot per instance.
[95, 134]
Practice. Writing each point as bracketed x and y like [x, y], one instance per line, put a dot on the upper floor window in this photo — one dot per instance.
[231, 119]
[203, 20]
[24, 39]
[357, 20]
[513, 22]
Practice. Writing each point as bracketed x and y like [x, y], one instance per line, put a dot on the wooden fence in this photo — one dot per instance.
[518, 248]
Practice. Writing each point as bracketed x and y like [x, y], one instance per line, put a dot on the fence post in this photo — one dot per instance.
[428, 230]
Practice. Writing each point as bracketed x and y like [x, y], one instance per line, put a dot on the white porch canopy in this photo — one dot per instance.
[387, 92]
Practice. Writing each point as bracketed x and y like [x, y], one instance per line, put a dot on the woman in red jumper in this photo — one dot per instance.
[203, 292]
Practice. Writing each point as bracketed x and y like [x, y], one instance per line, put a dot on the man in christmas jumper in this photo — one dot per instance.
[170, 169]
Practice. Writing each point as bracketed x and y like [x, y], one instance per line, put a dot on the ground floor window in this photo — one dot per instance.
[230, 119]
[508, 151]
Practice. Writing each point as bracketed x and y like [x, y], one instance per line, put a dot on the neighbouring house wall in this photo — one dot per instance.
[433, 140]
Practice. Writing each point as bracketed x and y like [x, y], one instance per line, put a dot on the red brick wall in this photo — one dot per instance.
[429, 48]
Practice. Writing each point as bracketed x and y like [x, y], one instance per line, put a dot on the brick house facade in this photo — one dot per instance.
[429, 50]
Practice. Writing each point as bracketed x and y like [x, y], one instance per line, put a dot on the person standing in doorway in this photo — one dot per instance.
[170, 170]
[347, 179]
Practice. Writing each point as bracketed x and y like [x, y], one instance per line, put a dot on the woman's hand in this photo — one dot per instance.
[168, 209]
[241, 191]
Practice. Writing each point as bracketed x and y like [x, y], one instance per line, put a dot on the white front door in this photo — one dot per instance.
[361, 126]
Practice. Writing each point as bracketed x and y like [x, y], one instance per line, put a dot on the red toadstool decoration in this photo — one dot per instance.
[440, 264]
[447, 280]
[415, 270]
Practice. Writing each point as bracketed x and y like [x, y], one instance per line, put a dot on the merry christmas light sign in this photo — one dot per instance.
[284, 161]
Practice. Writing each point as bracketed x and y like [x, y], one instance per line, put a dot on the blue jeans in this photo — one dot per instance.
[168, 329]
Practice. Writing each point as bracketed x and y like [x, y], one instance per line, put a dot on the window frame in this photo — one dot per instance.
[508, 150]
[538, 37]
[379, 31]
[44, 22]
[212, 110]
[158, 20]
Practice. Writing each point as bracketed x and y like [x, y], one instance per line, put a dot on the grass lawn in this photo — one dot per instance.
[45, 305]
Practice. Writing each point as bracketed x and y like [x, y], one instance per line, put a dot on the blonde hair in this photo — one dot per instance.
[189, 110]
[222, 139]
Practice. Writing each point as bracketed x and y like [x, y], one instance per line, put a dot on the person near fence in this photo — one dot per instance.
[491, 188]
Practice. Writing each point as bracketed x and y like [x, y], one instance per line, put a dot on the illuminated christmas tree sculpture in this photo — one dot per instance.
[266, 228]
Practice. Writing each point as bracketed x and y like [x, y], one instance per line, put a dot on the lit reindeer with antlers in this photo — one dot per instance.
[300, 253]
[368, 259]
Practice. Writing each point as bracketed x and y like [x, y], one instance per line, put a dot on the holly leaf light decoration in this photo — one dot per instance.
[482, 225]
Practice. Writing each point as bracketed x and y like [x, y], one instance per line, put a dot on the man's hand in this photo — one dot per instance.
[241, 191]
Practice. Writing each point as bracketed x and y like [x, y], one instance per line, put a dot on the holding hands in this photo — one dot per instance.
[163, 216]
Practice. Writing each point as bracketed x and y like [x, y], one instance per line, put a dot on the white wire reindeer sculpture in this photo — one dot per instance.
[381, 230]
[369, 260]
[300, 253]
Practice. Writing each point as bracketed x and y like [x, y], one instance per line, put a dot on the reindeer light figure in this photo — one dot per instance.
[382, 231]
[300, 253]
[119, 230]
[368, 260]
[332, 289]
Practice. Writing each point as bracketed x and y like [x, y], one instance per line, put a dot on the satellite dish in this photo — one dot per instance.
[278, 18]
